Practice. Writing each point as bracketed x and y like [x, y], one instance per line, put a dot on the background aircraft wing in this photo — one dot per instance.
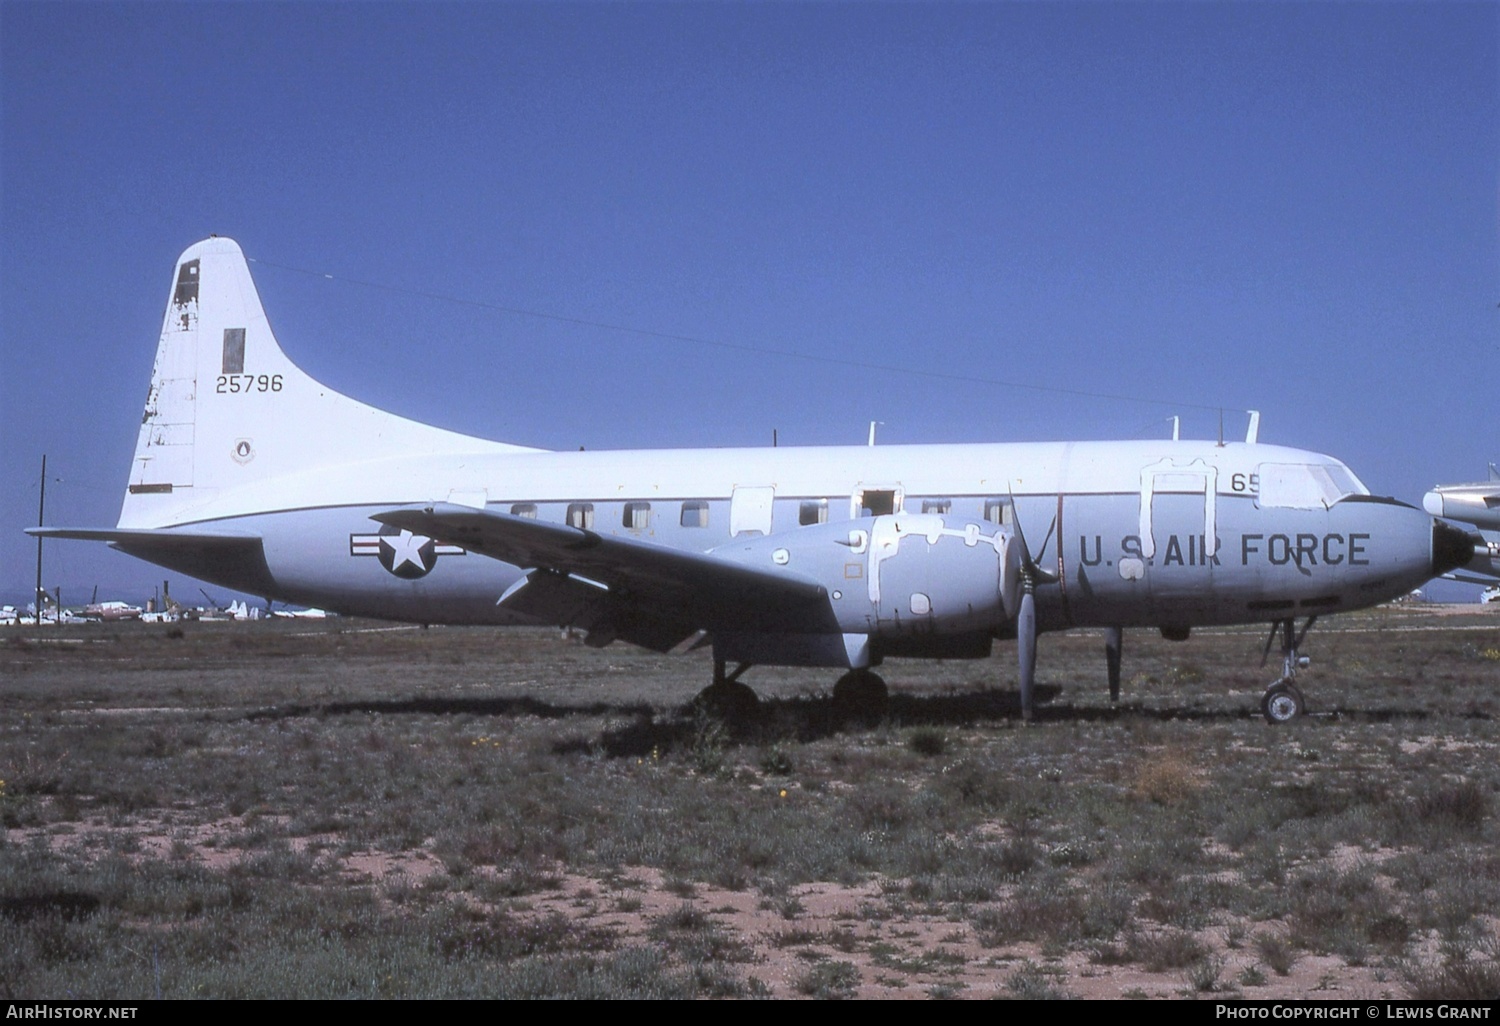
[627, 588]
[1472, 579]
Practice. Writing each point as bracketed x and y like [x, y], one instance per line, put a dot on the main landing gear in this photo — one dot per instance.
[1283, 701]
[861, 696]
[726, 698]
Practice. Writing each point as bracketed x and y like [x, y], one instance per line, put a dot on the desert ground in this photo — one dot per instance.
[346, 808]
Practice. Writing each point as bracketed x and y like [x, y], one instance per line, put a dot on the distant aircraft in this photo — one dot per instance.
[110, 611]
[1477, 504]
[301, 614]
[250, 474]
[52, 611]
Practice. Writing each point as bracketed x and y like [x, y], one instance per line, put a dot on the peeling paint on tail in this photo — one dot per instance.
[227, 409]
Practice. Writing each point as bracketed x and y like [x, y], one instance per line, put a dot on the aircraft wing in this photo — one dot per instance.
[1471, 579]
[637, 590]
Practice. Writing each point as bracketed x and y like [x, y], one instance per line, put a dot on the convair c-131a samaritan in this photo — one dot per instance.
[250, 474]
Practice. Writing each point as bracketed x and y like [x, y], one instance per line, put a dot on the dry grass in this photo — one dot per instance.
[1167, 778]
[283, 810]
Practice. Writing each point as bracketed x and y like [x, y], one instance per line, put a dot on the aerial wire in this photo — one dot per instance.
[742, 347]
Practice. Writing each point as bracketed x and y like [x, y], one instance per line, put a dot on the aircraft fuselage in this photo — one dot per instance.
[1163, 534]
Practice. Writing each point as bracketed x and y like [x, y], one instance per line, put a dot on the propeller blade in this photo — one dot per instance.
[1026, 649]
[1114, 643]
[1028, 565]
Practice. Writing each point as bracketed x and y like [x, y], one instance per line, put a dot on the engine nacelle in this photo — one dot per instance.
[901, 574]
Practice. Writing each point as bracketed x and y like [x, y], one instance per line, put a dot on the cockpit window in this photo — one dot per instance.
[1344, 480]
[1306, 485]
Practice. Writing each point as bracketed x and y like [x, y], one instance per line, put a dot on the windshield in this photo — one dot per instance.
[1307, 485]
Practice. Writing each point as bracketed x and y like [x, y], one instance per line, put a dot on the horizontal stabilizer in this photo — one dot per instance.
[233, 560]
[144, 537]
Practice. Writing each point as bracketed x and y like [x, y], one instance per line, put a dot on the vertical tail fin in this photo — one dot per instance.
[227, 408]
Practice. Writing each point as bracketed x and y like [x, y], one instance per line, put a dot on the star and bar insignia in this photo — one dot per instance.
[402, 553]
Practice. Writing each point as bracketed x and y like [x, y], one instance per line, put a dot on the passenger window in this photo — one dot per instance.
[999, 511]
[695, 513]
[581, 515]
[637, 515]
[937, 505]
[813, 511]
[877, 502]
[524, 509]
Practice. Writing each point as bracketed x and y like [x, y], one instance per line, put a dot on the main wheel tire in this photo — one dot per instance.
[729, 701]
[861, 696]
[1282, 703]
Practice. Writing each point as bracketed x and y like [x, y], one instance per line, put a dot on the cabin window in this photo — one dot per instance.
[524, 509]
[813, 511]
[637, 515]
[877, 502]
[581, 515]
[695, 513]
[999, 511]
[937, 505]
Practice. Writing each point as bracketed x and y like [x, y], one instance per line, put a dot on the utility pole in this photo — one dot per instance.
[41, 510]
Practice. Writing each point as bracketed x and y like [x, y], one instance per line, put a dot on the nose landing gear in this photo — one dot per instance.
[1283, 701]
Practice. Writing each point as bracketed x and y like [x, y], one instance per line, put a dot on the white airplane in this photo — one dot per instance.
[111, 612]
[1477, 504]
[238, 610]
[250, 474]
[301, 614]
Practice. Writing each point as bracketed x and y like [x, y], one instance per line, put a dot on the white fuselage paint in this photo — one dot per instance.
[1131, 529]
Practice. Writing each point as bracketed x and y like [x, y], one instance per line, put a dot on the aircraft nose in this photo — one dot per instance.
[1451, 547]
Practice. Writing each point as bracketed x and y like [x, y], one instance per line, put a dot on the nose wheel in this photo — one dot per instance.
[1283, 701]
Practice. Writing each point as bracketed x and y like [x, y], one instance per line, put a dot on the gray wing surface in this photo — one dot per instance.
[642, 592]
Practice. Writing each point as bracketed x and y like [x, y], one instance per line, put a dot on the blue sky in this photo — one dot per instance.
[1290, 207]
